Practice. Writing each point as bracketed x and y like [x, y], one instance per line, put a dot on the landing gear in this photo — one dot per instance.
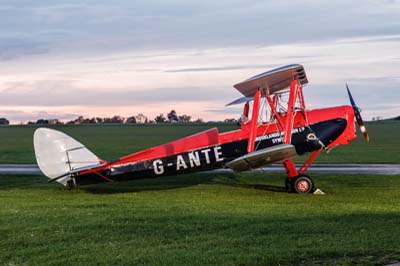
[301, 184]
[297, 181]
[288, 184]
[71, 184]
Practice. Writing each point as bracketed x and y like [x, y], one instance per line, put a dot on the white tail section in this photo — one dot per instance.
[57, 154]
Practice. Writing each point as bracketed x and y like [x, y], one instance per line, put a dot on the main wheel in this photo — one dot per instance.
[303, 184]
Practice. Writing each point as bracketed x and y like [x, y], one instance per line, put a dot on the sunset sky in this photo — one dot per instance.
[61, 59]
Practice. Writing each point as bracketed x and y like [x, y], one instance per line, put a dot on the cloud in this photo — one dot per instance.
[64, 93]
[98, 26]
[205, 76]
[207, 69]
[11, 48]
[235, 111]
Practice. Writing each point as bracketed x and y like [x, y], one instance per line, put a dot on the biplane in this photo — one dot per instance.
[278, 128]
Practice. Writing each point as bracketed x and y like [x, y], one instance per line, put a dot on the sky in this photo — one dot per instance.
[61, 59]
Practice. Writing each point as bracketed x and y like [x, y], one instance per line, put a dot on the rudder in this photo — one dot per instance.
[58, 154]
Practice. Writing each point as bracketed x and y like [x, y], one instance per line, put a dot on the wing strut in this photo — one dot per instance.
[295, 105]
[254, 121]
[296, 100]
[303, 169]
[294, 94]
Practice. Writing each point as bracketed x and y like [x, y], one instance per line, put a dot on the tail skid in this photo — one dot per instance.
[59, 156]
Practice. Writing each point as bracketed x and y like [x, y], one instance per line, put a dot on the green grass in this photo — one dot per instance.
[113, 141]
[201, 219]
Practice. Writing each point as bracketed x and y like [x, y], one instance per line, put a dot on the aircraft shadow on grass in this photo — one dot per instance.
[258, 187]
[232, 180]
[176, 182]
[153, 184]
[163, 183]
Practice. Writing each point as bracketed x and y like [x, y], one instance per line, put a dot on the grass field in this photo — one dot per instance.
[198, 219]
[201, 219]
[112, 141]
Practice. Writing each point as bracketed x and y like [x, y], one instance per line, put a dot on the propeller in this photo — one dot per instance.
[357, 114]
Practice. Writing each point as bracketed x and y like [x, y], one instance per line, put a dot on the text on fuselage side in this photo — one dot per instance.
[190, 159]
[277, 137]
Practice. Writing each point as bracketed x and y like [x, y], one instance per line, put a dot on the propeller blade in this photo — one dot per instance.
[350, 96]
[363, 129]
[357, 114]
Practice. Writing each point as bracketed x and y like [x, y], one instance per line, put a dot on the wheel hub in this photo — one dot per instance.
[303, 186]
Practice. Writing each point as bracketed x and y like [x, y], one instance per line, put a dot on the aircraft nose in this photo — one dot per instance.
[330, 130]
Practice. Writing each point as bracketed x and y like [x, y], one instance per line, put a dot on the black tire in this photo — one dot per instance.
[70, 185]
[303, 184]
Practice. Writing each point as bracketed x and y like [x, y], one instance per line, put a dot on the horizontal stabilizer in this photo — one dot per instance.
[263, 157]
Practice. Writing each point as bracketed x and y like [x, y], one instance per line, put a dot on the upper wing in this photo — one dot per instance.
[263, 157]
[240, 100]
[273, 81]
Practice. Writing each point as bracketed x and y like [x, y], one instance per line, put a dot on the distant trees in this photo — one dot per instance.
[117, 120]
[379, 118]
[172, 117]
[141, 119]
[82, 120]
[45, 122]
[160, 119]
[230, 120]
[376, 118]
[130, 120]
[4, 121]
[107, 120]
[42, 122]
[184, 118]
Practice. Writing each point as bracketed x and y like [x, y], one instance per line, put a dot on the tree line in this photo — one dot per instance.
[171, 117]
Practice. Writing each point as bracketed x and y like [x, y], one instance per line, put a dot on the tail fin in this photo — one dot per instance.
[59, 156]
